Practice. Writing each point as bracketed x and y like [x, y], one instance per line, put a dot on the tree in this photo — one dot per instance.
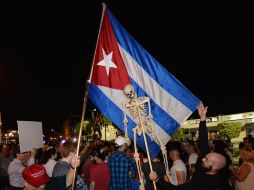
[87, 128]
[230, 129]
[178, 135]
[104, 121]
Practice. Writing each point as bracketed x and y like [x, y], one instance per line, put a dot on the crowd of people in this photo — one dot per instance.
[101, 165]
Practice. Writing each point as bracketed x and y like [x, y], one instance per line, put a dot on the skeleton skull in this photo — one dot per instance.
[129, 91]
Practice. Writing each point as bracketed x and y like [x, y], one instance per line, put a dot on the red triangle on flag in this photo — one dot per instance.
[108, 67]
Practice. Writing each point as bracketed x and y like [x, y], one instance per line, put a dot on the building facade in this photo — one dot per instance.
[247, 119]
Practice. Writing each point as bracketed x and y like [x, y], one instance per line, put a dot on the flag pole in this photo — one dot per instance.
[85, 99]
[103, 10]
[146, 145]
[80, 132]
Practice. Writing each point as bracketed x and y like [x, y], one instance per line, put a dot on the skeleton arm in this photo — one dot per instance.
[125, 120]
[164, 153]
[149, 109]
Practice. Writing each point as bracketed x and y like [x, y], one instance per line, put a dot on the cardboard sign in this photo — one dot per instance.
[30, 135]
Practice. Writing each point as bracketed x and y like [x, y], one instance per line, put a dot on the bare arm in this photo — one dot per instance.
[192, 169]
[246, 155]
[30, 158]
[75, 162]
[243, 173]
[92, 185]
[180, 177]
[69, 177]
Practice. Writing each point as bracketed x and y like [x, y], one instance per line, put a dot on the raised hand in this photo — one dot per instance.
[202, 110]
[153, 176]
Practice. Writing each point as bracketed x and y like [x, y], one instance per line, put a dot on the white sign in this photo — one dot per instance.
[30, 135]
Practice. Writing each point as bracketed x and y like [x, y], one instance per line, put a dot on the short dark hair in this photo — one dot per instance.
[16, 150]
[47, 155]
[98, 154]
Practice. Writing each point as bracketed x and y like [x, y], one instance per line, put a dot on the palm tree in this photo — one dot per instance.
[86, 129]
[104, 122]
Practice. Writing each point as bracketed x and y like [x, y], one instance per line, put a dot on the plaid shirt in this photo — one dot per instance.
[119, 166]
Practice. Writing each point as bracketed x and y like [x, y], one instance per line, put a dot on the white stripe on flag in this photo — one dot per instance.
[160, 96]
[118, 97]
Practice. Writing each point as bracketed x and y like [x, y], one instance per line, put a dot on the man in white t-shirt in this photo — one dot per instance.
[193, 156]
[178, 170]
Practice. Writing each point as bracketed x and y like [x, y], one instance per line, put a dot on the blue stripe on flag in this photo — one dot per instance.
[165, 121]
[110, 110]
[153, 67]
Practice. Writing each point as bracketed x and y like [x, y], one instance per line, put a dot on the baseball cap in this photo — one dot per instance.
[35, 175]
[120, 140]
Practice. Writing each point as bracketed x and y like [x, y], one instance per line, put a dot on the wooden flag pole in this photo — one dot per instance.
[80, 131]
[147, 149]
[85, 99]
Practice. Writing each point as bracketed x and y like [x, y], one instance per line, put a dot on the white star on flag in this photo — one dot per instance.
[107, 61]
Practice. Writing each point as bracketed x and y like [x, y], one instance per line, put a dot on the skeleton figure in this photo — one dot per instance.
[135, 106]
[140, 110]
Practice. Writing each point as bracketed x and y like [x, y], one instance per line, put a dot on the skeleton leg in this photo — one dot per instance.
[137, 160]
[163, 148]
[165, 156]
[151, 122]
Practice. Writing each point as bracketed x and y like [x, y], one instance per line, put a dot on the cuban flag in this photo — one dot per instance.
[120, 60]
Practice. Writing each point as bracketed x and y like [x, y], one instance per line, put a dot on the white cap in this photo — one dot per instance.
[120, 140]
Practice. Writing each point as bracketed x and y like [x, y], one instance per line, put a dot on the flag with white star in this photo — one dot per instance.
[108, 67]
[120, 60]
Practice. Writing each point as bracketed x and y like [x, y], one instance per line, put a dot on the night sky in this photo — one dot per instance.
[46, 53]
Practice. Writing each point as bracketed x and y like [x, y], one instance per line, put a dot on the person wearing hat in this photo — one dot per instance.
[99, 173]
[121, 166]
[16, 168]
[36, 177]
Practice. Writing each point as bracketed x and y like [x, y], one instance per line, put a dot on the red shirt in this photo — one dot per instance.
[99, 173]
[86, 170]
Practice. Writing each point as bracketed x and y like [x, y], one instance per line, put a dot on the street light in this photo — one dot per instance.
[92, 112]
